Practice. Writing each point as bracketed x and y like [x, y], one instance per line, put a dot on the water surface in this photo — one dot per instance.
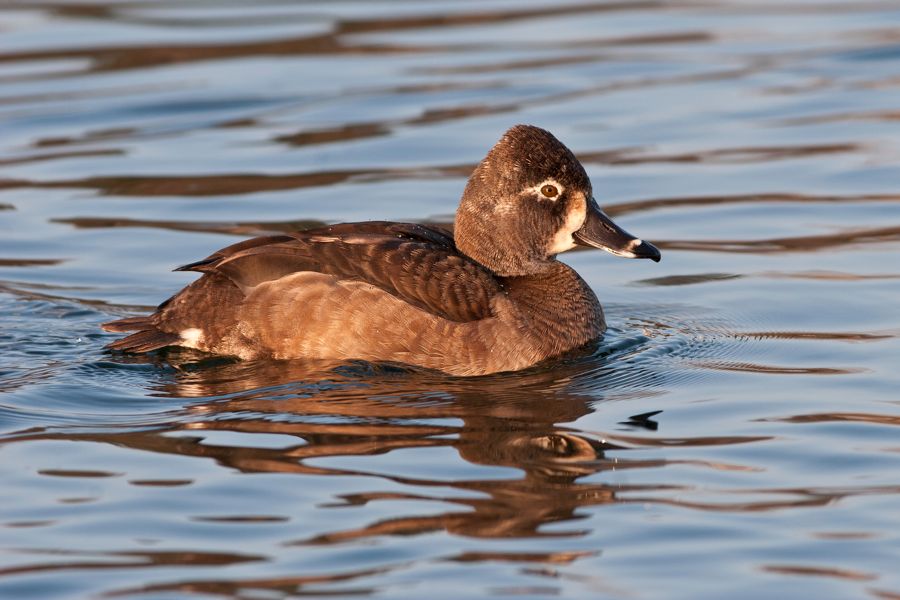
[734, 436]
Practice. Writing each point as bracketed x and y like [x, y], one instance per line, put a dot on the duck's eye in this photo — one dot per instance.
[550, 191]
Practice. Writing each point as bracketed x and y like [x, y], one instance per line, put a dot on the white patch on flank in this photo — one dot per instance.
[192, 337]
[563, 239]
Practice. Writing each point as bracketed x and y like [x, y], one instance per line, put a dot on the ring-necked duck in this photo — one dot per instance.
[491, 297]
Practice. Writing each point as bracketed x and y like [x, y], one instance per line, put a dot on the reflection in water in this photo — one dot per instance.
[777, 370]
[364, 411]
[687, 279]
[357, 412]
[128, 560]
[875, 115]
[502, 422]
[242, 229]
[288, 586]
[837, 417]
[334, 42]
[830, 275]
[807, 243]
[699, 201]
[499, 421]
[819, 572]
[20, 160]
[824, 335]
[29, 262]
[236, 184]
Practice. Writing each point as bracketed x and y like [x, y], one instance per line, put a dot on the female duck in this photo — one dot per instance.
[490, 298]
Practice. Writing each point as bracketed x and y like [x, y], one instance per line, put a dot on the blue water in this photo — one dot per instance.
[734, 436]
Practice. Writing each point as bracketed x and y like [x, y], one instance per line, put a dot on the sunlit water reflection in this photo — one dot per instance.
[734, 435]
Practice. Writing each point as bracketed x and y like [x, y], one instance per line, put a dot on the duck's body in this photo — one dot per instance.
[494, 299]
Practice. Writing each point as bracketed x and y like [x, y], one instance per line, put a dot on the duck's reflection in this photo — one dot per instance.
[503, 421]
[542, 473]
[512, 421]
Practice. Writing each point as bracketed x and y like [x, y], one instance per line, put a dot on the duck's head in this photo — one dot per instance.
[529, 200]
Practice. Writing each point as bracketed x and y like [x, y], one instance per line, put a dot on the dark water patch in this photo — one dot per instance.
[687, 279]
[808, 243]
[824, 335]
[831, 276]
[816, 571]
[842, 417]
[883, 52]
[339, 134]
[244, 229]
[777, 369]
[845, 535]
[161, 482]
[118, 58]
[59, 155]
[622, 208]
[242, 519]
[518, 557]
[296, 585]
[876, 115]
[482, 17]
[77, 500]
[30, 262]
[218, 185]
[28, 524]
[72, 473]
[30, 100]
[37, 296]
[710, 441]
[513, 65]
[125, 560]
[107, 134]
[718, 156]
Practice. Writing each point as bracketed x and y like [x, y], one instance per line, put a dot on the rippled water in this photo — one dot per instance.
[734, 436]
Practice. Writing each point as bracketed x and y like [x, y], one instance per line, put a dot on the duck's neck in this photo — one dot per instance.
[557, 308]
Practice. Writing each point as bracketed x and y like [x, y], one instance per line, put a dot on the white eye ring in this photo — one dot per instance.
[540, 189]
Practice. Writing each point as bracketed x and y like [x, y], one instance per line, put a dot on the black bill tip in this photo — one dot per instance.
[642, 249]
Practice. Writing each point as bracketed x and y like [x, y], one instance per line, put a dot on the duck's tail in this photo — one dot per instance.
[146, 337]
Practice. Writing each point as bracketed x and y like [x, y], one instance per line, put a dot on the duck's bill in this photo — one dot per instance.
[599, 231]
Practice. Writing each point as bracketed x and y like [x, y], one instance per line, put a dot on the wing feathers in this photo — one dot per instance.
[210, 261]
[416, 263]
[129, 324]
[145, 341]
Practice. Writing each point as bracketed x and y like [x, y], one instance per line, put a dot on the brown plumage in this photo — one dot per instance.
[493, 299]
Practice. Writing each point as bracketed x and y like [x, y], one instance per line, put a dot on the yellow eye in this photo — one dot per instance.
[550, 191]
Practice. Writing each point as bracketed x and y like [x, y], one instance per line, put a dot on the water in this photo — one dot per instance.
[735, 435]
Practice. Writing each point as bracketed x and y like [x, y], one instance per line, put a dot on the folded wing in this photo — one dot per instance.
[418, 264]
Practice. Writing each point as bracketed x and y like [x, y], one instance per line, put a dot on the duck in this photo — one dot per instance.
[490, 297]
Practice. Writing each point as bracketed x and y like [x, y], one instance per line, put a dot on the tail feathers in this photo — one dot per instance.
[143, 341]
[129, 324]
